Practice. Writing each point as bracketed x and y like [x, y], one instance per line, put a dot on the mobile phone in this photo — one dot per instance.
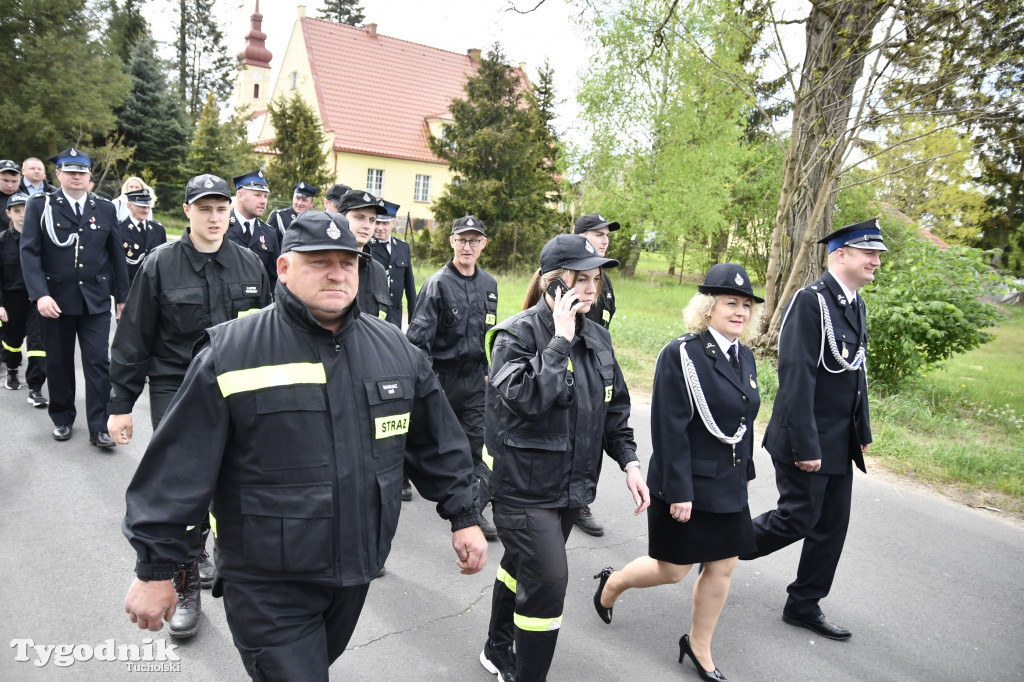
[557, 285]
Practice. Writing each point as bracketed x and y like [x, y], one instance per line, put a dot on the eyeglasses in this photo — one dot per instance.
[472, 242]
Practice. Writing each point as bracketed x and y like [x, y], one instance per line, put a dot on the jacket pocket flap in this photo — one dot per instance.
[193, 295]
[703, 467]
[311, 501]
[299, 398]
[606, 358]
[531, 440]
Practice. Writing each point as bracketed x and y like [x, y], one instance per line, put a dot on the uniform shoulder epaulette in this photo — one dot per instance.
[813, 287]
[41, 195]
[93, 195]
[688, 336]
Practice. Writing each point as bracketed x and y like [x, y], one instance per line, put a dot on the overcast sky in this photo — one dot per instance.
[455, 25]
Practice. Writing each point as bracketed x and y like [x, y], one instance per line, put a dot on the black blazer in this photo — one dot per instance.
[264, 243]
[398, 266]
[688, 463]
[83, 286]
[137, 242]
[820, 412]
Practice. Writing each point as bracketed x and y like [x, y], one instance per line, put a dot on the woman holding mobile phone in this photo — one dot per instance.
[555, 399]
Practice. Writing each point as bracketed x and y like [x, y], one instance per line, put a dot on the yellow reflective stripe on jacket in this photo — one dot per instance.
[255, 378]
[213, 524]
[489, 318]
[486, 457]
[536, 624]
[37, 353]
[508, 580]
[382, 314]
[246, 313]
[391, 425]
[12, 349]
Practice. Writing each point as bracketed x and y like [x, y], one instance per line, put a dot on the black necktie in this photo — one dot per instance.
[734, 359]
[78, 211]
[246, 232]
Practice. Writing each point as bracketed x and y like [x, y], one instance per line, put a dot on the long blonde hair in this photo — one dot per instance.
[698, 311]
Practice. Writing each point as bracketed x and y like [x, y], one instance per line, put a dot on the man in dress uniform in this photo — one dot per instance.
[597, 230]
[819, 426]
[396, 257]
[10, 184]
[301, 531]
[456, 307]
[139, 235]
[332, 199]
[362, 209]
[33, 177]
[245, 226]
[302, 201]
[73, 263]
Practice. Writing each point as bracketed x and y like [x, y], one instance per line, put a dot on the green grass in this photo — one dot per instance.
[176, 223]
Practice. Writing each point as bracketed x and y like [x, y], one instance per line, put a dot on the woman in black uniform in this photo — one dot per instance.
[555, 398]
[702, 417]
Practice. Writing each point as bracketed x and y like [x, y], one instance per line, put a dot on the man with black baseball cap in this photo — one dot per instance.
[10, 184]
[455, 308]
[302, 201]
[302, 531]
[819, 426]
[361, 210]
[332, 199]
[596, 229]
[72, 262]
[247, 229]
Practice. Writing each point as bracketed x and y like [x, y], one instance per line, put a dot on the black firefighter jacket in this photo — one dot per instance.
[688, 463]
[821, 410]
[298, 435]
[176, 296]
[552, 406]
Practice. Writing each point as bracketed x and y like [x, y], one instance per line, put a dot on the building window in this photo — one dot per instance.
[375, 181]
[293, 80]
[421, 192]
[256, 91]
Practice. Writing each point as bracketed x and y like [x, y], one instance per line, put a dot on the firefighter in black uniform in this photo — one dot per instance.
[457, 306]
[361, 210]
[396, 257]
[73, 263]
[303, 471]
[819, 426]
[10, 184]
[246, 228]
[596, 229]
[138, 233]
[302, 201]
[183, 288]
[555, 399]
[19, 317]
[332, 198]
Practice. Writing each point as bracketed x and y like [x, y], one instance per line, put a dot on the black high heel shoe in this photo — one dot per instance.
[684, 649]
[604, 612]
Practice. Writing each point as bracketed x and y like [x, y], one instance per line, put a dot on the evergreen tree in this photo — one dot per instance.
[58, 82]
[127, 27]
[499, 153]
[343, 12]
[299, 140]
[203, 64]
[220, 148]
[153, 119]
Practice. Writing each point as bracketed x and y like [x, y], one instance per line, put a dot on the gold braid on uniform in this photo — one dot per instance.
[830, 334]
[696, 392]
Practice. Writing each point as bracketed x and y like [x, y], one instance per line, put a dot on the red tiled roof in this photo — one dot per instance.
[410, 83]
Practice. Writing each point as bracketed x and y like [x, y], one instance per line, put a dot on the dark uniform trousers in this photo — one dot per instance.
[282, 629]
[93, 334]
[467, 394]
[821, 412]
[532, 578]
[23, 324]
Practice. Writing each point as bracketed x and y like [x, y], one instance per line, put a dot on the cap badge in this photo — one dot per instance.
[259, 173]
[738, 280]
[380, 202]
[209, 183]
[469, 222]
[333, 232]
[600, 217]
[366, 197]
[590, 247]
[74, 152]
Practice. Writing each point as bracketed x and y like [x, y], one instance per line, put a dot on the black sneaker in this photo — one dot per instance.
[12, 382]
[498, 661]
[588, 524]
[36, 399]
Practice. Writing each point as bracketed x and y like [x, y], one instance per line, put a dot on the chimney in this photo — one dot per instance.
[302, 11]
[371, 30]
[474, 54]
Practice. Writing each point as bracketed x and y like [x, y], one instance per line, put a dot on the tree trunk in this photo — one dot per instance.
[183, 53]
[838, 40]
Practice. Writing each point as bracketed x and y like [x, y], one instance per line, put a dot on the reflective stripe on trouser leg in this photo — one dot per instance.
[501, 630]
[537, 624]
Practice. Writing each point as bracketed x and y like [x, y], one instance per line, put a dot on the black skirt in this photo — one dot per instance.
[707, 536]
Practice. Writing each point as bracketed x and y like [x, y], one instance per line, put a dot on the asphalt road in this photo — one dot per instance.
[931, 590]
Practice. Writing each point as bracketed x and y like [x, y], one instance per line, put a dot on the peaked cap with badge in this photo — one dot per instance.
[72, 161]
[467, 223]
[304, 189]
[256, 180]
[355, 199]
[728, 278]
[321, 231]
[862, 235]
[593, 221]
[572, 252]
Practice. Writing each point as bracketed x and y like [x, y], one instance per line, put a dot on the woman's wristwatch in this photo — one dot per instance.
[632, 464]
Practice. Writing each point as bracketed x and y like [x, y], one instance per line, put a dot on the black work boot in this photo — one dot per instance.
[588, 524]
[207, 569]
[12, 383]
[186, 617]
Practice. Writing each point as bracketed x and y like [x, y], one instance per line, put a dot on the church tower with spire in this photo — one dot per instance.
[252, 83]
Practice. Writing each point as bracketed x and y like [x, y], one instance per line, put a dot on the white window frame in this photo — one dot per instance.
[421, 190]
[375, 181]
[293, 80]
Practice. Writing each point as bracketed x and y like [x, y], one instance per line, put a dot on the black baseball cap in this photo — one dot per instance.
[728, 278]
[593, 221]
[8, 166]
[572, 252]
[17, 199]
[467, 223]
[206, 185]
[355, 198]
[320, 231]
[863, 235]
[336, 192]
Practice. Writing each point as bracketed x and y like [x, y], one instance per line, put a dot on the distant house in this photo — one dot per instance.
[379, 99]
